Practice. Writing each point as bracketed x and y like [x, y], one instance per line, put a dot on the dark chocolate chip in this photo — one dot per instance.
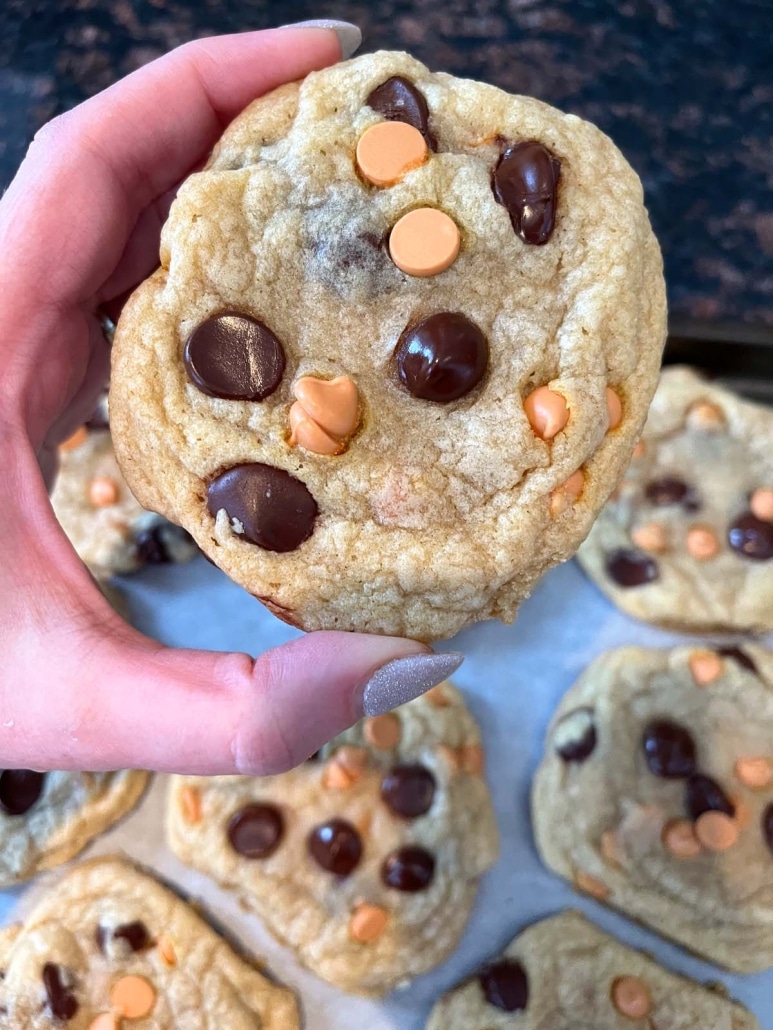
[666, 490]
[752, 537]
[442, 358]
[705, 795]
[767, 825]
[19, 790]
[526, 184]
[135, 934]
[398, 100]
[336, 846]
[408, 869]
[61, 1000]
[256, 830]
[409, 790]
[630, 568]
[235, 357]
[669, 749]
[737, 655]
[151, 547]
[276, 510]
[574, 737]
[505, 985]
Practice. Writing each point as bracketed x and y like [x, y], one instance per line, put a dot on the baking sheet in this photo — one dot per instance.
[513, 678]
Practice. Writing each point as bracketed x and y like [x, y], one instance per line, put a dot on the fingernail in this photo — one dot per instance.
[404, 679]
[349, 36]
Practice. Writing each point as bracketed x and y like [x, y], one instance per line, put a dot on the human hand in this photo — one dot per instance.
[79, 228]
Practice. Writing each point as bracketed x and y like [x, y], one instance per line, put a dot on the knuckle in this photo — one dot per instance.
[261, 743]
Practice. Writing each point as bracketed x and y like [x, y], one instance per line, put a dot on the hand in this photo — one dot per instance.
[79, 227]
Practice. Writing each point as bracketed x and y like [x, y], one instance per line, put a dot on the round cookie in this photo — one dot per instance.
[110, 531]
[108, 947]
[364, 860]
[564, 973]
[686, 541]
[47, 818]
[655, 795]
[386, 392]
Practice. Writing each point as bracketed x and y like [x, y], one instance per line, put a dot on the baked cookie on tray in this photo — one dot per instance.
[403, 338]
[687, 540]
[565, 973]
[47, 818]
[109, 947]
[655, 795]
[365, 860]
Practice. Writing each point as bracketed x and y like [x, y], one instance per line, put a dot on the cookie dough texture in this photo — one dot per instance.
[315, 912]
[718, 446]
[571, 968]
[109, 537]
[436, 515]
[198, 981]
[72, 809]
[601, 821]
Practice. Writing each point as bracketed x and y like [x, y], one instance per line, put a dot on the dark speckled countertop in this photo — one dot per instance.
[684, 87]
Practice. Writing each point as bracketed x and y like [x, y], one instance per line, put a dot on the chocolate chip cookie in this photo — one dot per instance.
[109, 948]
[403, 338]
[655, 795]
[47, 818]
[111, 532]
[687, 540]
[564, 973]
[365, 860]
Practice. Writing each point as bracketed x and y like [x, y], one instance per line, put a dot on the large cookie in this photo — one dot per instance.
[365, 860]
[565, 974]
[655, 795]
[403, 338]
[108, 528]
[109, 948]
[687, 540]
[47, 818]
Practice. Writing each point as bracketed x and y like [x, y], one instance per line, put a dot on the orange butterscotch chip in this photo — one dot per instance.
[761, 504]
[702, 543]
[324, 414]
[705, 415]
[547, 412]
[190, 803]
[716, 831]
[705, 667]
[631, 997]
[471, 759]
[133, 997]
[679, 839]
[383, 731]
[566, 494]
[451, 756]
[353, 759]
[103, 491]
[650, 537]
[367, 922]
[614, 409]
[437, 696]
[611, 849]
[166, 950]
[104, 1022]
[386, 152]
[336, 777]
[77, 438]
[424, 242]
[756, 773]
[590, 885]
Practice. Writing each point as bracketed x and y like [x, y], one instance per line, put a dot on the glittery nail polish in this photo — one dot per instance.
[404, 679]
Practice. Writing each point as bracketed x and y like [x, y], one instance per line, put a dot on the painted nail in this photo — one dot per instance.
[349, 36]
[404, 679]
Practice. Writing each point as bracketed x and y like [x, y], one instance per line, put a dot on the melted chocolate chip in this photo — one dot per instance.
[442, 358]
[669, 749]
[737, 655]
[409, 790]
[398, 100]
[152, 543]
[61, 1000]
[256, 830]
[276, 510]
[505, 985]
[526, 184]
[19, 790]
[574, 737]
[666, 490]
[751, 537]
[336, 846]
[135, 934]
[767, 826]
[705, 795]
[408, 869]
[630, 568]
[234, 357]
